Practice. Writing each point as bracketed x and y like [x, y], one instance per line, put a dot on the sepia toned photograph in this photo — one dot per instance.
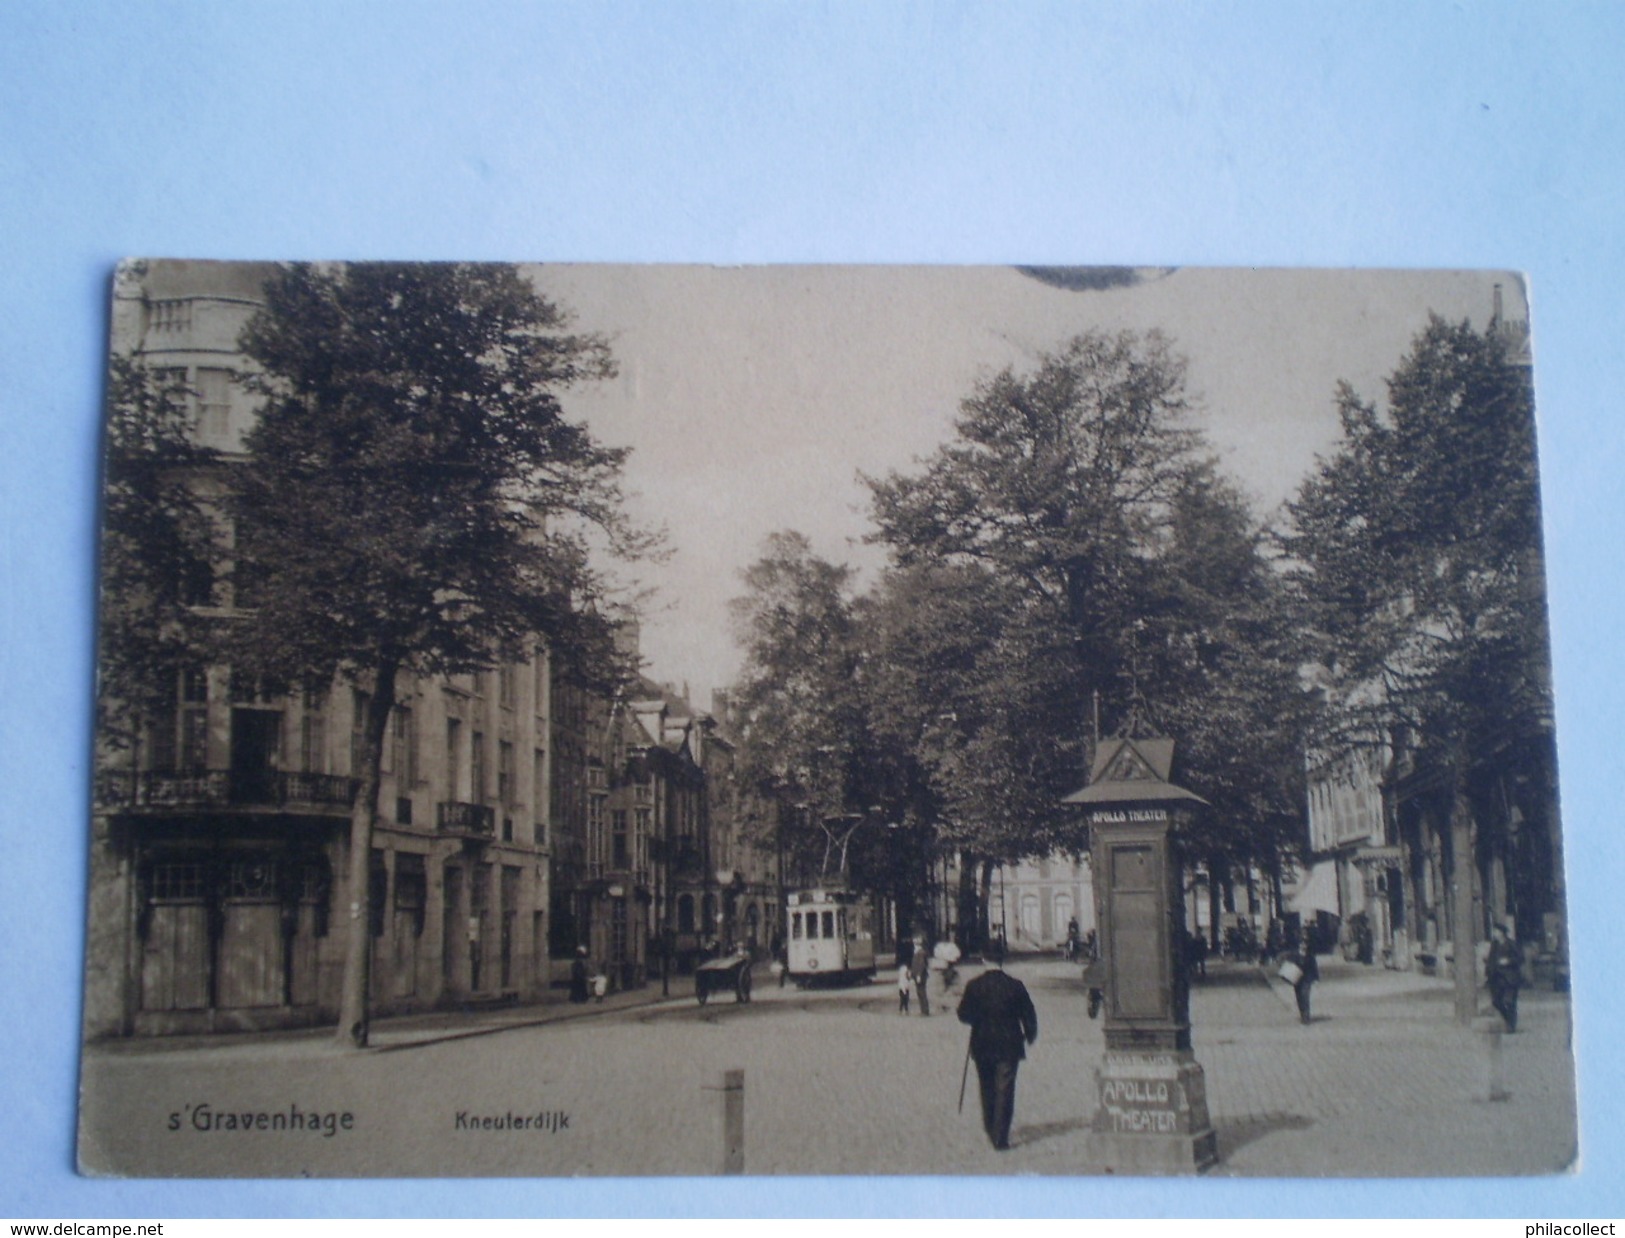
[575, 720]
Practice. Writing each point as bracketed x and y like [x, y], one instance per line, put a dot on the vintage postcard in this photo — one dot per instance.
[653, 720]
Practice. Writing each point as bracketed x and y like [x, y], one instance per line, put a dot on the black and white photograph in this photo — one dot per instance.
[633, 720]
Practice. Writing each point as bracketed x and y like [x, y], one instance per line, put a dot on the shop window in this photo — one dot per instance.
[178, 881]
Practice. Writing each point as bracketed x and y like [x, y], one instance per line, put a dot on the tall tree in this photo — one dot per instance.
[415, 499]
[948, 689]
[1216, 641]
[158, 549]
[1124, 567]
[1417, 562]
[801, 725]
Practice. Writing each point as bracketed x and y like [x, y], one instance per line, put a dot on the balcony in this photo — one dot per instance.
[686, 860]
[616, 878]
[190, 790]
[469, 821]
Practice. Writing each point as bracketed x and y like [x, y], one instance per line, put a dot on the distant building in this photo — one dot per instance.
[1032, 901]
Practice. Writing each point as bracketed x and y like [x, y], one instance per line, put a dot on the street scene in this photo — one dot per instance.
[659, 720]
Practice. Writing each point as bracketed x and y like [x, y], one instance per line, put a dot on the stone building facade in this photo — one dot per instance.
[220, 865]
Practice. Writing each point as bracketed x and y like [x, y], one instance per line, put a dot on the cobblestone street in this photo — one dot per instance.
[1382, 1083]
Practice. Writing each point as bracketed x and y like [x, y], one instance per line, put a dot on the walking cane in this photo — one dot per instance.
[964, 1074]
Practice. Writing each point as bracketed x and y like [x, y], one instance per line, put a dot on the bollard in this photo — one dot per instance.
[731, 1087]
[1487, 1029]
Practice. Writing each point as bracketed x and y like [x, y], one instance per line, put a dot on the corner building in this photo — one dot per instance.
[220, 867]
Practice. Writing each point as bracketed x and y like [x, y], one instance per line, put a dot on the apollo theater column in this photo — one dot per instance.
[1152, 1116]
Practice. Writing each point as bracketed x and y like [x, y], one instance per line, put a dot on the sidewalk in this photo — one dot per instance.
[1383, 1081]
[413, 1030]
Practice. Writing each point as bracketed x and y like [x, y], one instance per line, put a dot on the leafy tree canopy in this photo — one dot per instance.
[415, 494]
[1416, 549]
[1119, 566]
[158, 547]
[801, 723]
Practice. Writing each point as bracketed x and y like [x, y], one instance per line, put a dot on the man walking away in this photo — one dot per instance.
[1002, 1024]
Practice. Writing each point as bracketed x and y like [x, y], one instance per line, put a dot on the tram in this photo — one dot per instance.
[832, 938]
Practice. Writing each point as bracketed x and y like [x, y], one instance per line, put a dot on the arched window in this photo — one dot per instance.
[1063, 913]
[1029, 916]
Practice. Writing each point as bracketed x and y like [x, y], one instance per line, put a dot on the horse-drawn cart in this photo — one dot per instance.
[725, 975]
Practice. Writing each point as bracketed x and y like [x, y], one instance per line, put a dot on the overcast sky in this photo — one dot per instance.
[752, 396]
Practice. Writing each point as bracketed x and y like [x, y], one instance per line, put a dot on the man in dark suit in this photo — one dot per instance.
[1002, 1024]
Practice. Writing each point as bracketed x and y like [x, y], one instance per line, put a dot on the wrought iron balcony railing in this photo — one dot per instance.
[224, 788]
[466, 820]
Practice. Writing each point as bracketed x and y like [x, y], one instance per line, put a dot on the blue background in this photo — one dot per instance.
[1243, 133]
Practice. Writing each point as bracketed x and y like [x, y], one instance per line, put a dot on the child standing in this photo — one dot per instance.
[905, 983]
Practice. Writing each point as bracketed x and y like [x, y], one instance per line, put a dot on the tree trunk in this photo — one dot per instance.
[966, 914]
[904, 906]
[1215, 902]
[353, 1002]
[1463, 929]
[987, 901]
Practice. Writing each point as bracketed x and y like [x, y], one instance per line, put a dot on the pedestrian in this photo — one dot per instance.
[578, 976]
[1504, 971]
[905, 982]
[1073, 942]
[1196, 954]
[1094, 974]
[946, 952]
[919, 968]
[1304, 972]
[1002, 1024]
[1272, 943]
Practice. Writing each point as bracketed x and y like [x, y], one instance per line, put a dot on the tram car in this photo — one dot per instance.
[831, 937]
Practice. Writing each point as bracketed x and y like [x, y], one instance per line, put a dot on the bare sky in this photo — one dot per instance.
[753, 396]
